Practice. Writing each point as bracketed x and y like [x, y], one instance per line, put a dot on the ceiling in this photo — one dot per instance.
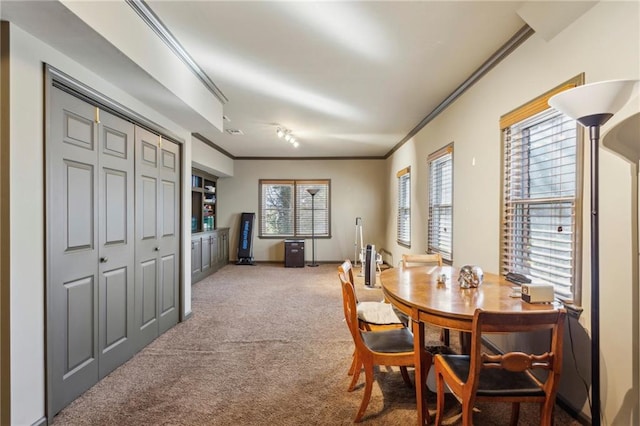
[348, 79]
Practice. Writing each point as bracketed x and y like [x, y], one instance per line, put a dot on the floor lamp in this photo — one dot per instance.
[592, 105]
[313, 192]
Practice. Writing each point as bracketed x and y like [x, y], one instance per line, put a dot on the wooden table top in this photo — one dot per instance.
[415, 291]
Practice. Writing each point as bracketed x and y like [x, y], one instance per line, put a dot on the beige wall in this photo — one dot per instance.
[357, 190]
[604, 44]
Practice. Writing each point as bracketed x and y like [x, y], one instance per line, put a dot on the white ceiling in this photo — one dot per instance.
[349, 79]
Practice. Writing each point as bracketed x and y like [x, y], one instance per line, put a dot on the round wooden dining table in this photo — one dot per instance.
[421, 294]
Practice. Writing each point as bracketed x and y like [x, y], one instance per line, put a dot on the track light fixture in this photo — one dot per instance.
[286, 134]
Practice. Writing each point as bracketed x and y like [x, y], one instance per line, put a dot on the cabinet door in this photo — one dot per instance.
[196, 257]
[206, 253]
[214, 250]
[223, 254]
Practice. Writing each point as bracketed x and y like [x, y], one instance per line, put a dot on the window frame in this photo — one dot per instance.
[447, 256]
[403, 236]
[297, 208]
[520, 115]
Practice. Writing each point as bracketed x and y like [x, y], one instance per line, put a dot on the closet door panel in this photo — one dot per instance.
[157, 215]
[146, 299]
[72, 252]
[117, 242]
[169, 240]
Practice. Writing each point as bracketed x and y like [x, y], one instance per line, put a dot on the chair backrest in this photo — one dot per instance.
[502, 322]
[421, 259]
[347, 270]
[349, 302]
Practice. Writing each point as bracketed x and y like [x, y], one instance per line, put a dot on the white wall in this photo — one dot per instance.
[26, 210]
[357, 190]
[604, 44]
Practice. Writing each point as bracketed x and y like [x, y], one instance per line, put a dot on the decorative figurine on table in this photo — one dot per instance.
[442, 280]
[470, 276]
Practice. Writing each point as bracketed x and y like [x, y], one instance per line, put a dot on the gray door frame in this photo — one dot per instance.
[5, 227]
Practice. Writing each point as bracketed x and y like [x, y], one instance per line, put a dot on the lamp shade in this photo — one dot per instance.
[593, 104]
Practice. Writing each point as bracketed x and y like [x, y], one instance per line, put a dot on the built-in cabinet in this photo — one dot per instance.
[203, 201]
[209, 245]
[209, 252]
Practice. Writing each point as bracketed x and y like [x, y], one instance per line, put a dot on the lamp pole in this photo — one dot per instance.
[592, 105]
[313, 192]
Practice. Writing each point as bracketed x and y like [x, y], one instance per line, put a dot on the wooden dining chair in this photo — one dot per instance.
[392, 347]
[371, 315]
[409, 260]
[507, 377]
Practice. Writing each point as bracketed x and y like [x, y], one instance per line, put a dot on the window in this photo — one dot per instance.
[404, 207]
[541, 194]
[440, 221]
[286, 208]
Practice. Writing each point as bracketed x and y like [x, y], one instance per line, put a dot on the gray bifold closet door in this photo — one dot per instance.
[157, 236]
[101, 306]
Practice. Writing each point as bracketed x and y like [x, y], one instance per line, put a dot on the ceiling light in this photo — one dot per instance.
[285, 133]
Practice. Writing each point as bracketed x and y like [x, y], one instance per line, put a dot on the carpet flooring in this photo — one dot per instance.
[266, 345]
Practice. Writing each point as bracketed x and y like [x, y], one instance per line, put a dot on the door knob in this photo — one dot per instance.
[104, 259]
[156, 249]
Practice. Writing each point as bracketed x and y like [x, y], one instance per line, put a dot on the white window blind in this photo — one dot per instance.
[540, 198]
[286, 208]
[320, 204]
[404, 206]
[440, 222]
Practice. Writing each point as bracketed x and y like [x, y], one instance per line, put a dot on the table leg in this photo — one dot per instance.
[465, 342]
[422, 365]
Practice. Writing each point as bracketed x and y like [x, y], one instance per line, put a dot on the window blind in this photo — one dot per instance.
[320, 206]
[404, 207]
[540, 198]
[440, 221]
[286, 208]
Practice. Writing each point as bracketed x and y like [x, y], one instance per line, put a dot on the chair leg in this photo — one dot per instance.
[444, 337]
[357, 362]
[515, 414]
[440, 399]
[546, 412]
[405, 376]
[368, 373]
[467, 412]
[352, 369]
